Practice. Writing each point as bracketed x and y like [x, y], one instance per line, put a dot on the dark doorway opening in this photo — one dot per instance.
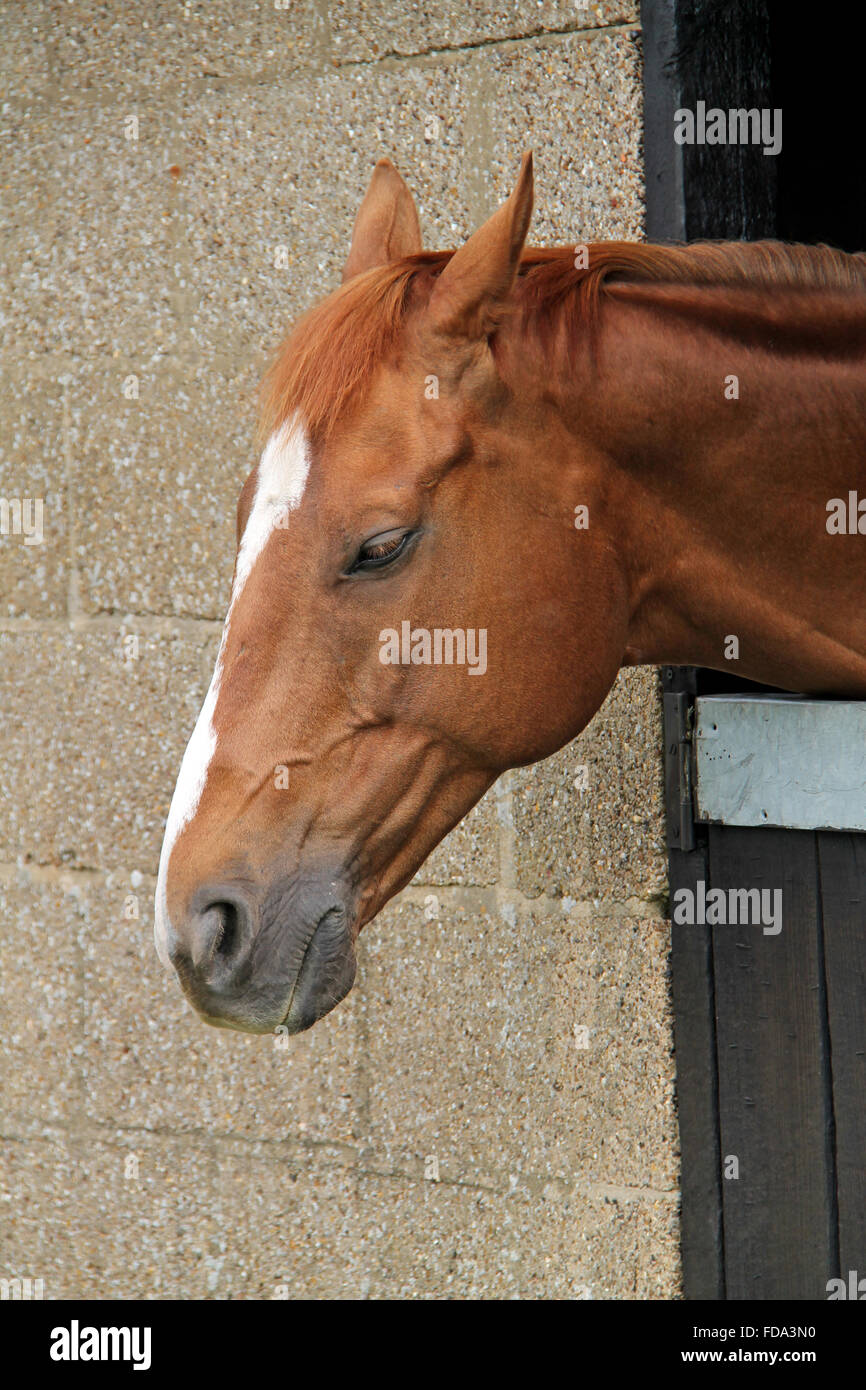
[816, 77]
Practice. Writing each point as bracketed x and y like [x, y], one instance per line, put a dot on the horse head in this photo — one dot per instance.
[409, 617]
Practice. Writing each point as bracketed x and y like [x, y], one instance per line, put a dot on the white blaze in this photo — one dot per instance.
[282, 477]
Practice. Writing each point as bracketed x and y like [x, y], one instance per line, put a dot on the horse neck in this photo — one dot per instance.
[711, 458]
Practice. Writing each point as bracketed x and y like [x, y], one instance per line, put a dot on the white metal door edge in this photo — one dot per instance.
[783, 760]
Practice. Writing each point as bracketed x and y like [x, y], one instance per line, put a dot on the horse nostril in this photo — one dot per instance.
[216, 935]
[229, 929]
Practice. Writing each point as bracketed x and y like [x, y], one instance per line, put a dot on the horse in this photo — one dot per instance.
[578, 459]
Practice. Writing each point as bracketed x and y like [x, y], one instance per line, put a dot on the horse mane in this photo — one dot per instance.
[336, 346]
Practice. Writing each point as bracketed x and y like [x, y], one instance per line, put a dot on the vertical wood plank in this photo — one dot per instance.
[843, 890]
[774, 1073]
[697, 1092]
[694, 1043]
[723, 55]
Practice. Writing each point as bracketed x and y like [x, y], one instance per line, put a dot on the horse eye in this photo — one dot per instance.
[381, 550]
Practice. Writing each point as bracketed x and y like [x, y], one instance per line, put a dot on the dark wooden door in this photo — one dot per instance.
[770, 1034]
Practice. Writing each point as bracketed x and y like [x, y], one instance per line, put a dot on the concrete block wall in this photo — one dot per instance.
[490, 1112]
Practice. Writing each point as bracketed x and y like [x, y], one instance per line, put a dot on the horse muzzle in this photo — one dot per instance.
[261, 961]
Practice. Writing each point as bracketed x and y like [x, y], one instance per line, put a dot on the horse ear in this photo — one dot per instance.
[386, 227]
[478, 278]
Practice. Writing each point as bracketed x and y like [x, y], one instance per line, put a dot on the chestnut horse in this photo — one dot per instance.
[568, 460]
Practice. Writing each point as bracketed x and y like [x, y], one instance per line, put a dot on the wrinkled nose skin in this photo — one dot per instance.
[255, 965]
